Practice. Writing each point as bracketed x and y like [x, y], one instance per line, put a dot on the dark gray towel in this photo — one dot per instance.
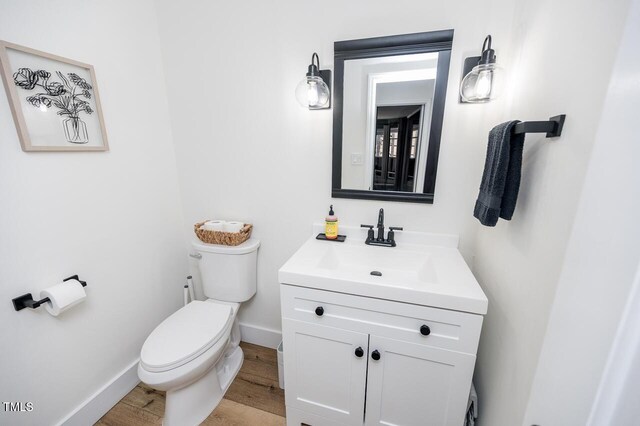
[501, 177]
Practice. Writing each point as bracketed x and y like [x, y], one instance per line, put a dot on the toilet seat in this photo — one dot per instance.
[185, 335]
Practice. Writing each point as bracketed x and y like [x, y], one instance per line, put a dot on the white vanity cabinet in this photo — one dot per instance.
[355, 360]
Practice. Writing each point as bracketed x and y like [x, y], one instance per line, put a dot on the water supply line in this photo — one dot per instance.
[191, 290]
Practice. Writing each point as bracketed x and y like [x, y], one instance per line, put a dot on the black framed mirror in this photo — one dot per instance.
[389, 97]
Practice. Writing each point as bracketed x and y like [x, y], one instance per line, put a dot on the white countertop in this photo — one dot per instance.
[424, 269]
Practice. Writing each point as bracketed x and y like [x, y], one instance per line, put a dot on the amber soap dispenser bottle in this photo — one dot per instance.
[331, 225]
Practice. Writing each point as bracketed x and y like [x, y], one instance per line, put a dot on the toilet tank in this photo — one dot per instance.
[228, 272]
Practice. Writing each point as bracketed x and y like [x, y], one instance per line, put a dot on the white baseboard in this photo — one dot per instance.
[260, 336]
[104, 399]
[97, 405]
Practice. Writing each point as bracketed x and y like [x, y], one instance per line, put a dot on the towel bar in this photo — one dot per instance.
[553, 127]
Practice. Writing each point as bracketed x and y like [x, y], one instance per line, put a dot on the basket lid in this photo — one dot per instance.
[248, 246]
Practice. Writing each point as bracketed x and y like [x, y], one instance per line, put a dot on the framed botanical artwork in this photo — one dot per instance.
[54, 101]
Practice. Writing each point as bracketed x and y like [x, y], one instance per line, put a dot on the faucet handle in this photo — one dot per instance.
[369, 232]
[391, 235]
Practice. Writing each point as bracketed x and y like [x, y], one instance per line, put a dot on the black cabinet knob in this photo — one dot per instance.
[425, 330]
[319, 311]
[375, 355]
[359, 352]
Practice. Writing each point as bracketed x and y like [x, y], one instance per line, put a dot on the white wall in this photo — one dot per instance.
[405, 92]
[114, 218]
[518, 263]
[616, 401]
[246, 150]
[600, 266]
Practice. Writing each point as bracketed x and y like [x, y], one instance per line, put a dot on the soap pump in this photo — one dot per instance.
[331, 225]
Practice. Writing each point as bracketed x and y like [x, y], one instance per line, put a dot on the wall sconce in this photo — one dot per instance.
[314, 91]
[482, 76]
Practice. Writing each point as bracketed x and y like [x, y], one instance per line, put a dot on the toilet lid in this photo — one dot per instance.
[185, 335]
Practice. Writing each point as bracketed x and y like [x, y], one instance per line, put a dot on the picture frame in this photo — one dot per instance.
[54, 100]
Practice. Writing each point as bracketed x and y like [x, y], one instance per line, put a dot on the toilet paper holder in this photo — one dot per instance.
[26, 300]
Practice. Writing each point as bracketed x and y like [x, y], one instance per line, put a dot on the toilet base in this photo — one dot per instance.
[192, 404]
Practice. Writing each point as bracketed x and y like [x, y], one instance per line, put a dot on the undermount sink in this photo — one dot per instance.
[424, 269]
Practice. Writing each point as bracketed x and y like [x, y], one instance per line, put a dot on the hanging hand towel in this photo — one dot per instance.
[501, 177]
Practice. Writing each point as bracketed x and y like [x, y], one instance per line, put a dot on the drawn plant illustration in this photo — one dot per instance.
[67, 95]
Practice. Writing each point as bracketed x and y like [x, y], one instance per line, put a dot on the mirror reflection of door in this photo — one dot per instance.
[396, 147]
[378, 153]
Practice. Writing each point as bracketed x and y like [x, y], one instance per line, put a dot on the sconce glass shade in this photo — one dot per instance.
[312, 92]
[482, 84]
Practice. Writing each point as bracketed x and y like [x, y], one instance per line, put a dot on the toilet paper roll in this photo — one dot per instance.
[63, 296]
[214, 225]
[233, 226]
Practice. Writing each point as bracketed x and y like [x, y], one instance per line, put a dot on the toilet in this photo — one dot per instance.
[194, 354]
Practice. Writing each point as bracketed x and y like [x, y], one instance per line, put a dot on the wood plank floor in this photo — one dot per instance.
[254, 397]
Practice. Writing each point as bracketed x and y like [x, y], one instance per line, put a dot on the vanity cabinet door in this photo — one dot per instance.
[416, 385]
[325, 371]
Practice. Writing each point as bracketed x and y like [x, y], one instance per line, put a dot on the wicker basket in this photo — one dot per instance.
[224, 238]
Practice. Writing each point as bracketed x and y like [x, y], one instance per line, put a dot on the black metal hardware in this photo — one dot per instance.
[319, 311]
[27, 301]
[75, 277]
[404, 197]
[325, 75]
[359, 352]
[553, 127]
[391, 235]
[370, 235]
[425, 330]
[380, 225]
[380, 240]
[375, 355]
[376, 273]
[488, 54]
[323, 237]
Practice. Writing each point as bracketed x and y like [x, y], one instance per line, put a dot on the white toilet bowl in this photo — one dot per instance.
[193, 355]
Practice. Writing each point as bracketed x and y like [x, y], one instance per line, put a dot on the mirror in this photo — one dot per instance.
[389, 99]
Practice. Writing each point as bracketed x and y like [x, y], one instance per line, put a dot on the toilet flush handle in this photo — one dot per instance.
[196, 255]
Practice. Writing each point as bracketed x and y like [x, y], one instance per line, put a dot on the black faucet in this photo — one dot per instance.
[381, 240]
[380, 225]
